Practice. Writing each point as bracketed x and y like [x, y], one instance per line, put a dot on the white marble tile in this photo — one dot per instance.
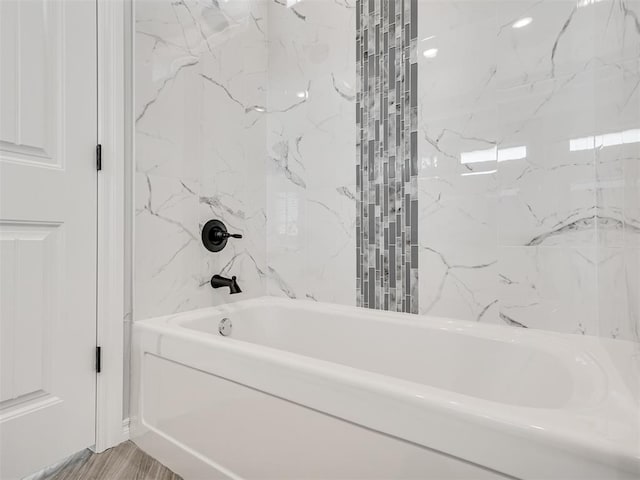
[311, 243]
[527, 208]
[167, 114]
[456, 107]
[551, 288]
[311, 133]
[286, 238]
[201, 78]
[632, 268]
[311, 151]
[610, 198]
[632, 201]
[331, 245]
[458, 211]
[619, 293]
[548, 198]
[458, 249]
[617, 30]
[559, 41]
[167, 246]
[617, 140]
[459, 282]
[457, 63]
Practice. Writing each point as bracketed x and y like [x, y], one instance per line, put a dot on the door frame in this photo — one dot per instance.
[115, 134]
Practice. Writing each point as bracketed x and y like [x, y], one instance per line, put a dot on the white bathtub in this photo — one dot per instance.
[303, 390]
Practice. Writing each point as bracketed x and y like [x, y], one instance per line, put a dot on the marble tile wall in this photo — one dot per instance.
[527, 171]
[311, 183]
[528, 182]
[245, 112]
[386, 158]
[200, 101]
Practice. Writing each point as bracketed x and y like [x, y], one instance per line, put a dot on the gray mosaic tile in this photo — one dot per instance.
[387, 156]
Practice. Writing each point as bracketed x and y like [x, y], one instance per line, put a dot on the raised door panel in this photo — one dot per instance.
[30, 257]
[30, 79]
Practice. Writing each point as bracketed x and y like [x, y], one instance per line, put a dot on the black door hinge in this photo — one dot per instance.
[99, 157]
[98, 359]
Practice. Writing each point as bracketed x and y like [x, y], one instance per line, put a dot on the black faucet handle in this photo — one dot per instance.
[220, 235]
[215, 235]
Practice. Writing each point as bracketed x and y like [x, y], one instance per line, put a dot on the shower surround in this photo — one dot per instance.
[525, 184]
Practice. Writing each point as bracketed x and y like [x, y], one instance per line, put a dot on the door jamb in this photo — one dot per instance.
[115, 136]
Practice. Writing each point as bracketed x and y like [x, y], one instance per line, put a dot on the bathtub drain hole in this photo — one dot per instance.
[225, 327]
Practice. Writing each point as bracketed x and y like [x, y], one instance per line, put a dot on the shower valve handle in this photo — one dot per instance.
[215, 235]
[220, 235]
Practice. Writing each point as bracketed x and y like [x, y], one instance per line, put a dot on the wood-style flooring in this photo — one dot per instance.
[124, 462]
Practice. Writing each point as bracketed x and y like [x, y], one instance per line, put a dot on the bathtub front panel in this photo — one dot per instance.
[245, 433]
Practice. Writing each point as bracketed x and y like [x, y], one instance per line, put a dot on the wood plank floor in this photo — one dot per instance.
[124, 462]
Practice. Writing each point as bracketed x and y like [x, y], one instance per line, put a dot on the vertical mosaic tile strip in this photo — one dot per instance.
[387, 144]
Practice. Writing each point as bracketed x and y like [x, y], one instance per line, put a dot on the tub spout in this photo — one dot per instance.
[218, 281]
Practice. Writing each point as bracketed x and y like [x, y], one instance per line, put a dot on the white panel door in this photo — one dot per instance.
[48, 187]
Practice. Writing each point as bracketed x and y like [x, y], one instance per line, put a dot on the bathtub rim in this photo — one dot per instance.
[477, 329]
